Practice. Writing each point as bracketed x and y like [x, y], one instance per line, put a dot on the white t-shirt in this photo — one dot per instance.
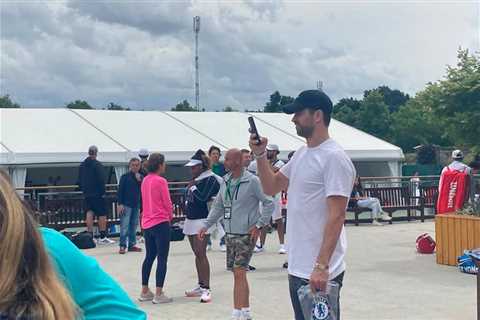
[277, 199]
[315, 174]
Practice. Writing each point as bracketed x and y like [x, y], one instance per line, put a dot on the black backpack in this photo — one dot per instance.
[83, 240]
[176, 233]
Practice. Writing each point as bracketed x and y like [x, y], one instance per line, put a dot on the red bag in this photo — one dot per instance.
[453, 191]
[425, 244]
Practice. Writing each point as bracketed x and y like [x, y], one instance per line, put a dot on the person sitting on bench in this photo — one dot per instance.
[359, 199]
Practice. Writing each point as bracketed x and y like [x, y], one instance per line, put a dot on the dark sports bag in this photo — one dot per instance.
[83, 240]
[176, 233]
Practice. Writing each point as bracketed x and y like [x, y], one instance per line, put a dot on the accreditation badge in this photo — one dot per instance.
[227, 213]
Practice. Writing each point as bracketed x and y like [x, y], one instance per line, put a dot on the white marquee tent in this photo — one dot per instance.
[41, 138]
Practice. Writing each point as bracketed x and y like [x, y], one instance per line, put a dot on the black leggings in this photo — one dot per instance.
[157, 245]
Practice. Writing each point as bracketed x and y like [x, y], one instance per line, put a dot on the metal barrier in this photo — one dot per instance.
[63, 206]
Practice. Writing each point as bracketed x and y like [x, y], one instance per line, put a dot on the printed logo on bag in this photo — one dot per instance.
[451, 194]
[321, 309]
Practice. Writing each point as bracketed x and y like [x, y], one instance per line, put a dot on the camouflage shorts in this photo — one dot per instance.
[239, 250]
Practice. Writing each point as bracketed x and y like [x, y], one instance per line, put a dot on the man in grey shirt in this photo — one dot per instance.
[237, 203]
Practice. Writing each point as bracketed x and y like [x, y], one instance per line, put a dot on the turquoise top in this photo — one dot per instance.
[98, 296]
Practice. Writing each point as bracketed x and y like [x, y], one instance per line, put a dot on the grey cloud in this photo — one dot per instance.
[159, 18]
[140, 54]
[25, 22]
[266, 9]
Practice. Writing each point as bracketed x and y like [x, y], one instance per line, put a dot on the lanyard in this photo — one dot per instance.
[228, 192]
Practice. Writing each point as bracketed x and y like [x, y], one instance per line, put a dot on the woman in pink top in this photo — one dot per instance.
[157, 214]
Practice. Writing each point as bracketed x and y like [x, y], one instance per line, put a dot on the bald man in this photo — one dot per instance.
[237, 203]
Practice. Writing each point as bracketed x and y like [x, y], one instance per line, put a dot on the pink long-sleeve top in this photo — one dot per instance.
[156, 202]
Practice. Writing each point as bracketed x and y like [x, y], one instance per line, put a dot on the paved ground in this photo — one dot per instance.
[386, 279]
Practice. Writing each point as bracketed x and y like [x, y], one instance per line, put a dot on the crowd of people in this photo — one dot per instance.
[240, 197]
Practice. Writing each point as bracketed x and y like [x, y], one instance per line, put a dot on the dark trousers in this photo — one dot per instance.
[295, 283]
[157, 245]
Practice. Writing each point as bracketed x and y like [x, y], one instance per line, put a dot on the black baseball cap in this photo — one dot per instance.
[310, 99]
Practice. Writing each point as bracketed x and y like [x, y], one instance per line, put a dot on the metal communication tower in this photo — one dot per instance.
[196, 30]
[320, 85]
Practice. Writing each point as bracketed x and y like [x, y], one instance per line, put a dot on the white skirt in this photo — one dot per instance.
[192, 227]
[277, 211]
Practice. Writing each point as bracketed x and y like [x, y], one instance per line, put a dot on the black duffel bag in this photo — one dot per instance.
[83, 240]
[176, 233]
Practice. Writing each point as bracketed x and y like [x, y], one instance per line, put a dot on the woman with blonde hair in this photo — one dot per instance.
[45, 277]
[29, 285]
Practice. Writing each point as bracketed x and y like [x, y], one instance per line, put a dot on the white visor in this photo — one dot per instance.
[193, 163]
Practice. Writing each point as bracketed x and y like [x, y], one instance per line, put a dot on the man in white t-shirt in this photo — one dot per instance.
[319, 179]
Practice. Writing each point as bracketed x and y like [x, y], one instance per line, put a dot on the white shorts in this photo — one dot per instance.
[277, 211]
[192, 227]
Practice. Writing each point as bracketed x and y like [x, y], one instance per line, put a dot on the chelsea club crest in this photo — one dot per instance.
[321, 309]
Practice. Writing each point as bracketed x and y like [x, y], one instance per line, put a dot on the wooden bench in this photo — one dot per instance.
[399, 198]
[66, 209]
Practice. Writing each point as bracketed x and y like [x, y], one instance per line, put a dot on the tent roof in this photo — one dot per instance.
[153, 130]
[358, 144]
[51, 135]
[230, 129]
[31, 136]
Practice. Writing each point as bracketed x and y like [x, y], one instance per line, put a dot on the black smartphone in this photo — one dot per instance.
[253, 129]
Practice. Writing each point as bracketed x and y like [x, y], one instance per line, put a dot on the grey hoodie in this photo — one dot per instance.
[245, 205]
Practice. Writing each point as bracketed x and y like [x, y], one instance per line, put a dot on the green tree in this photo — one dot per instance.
[113, 106]
[456, 100]
[394, 99]
[6, 102]
[374, 113]
[229, 109]
[79, 104]
[277, 101]
[415, 123]
[346, 111]
[184, 106]
[374, 116]
[446, 112]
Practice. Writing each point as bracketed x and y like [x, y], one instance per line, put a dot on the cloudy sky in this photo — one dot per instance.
[140, 53]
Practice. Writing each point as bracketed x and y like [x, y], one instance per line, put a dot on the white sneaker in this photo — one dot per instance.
[146, 296]
[206, 296]
[282, 249]
[195, 292]
[246, 315]
[237, 315]
[258, 249]
[161, 299]
[385, 217]
[223, 248]
[376, 223]
[105, 241]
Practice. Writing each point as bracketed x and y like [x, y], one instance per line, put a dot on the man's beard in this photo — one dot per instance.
[305, 132]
